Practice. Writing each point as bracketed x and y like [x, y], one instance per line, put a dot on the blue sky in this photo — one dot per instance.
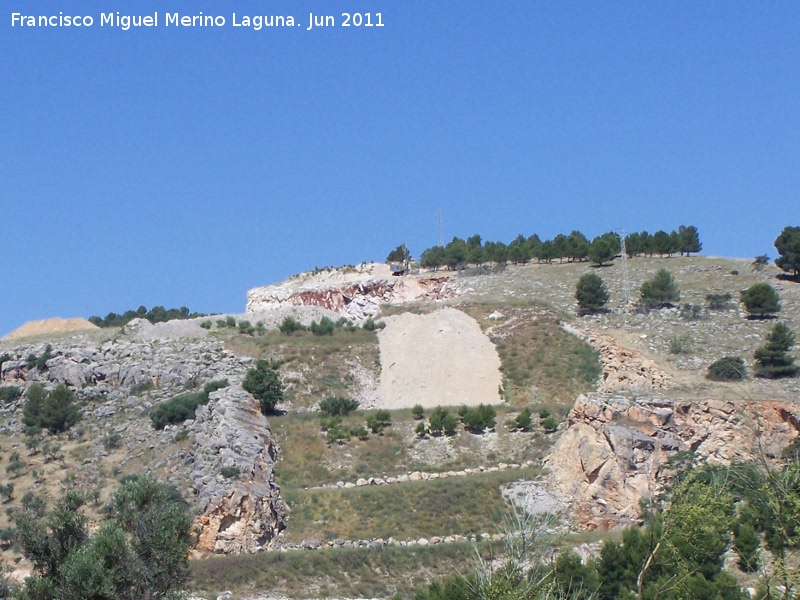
[183, 166]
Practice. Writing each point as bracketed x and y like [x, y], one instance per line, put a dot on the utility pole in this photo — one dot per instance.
[626, 284]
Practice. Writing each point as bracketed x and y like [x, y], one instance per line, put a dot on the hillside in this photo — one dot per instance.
[627, 389]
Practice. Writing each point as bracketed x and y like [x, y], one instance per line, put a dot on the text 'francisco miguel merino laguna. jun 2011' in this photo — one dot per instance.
[174, 19]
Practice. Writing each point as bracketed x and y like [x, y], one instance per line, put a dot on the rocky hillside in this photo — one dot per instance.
[625, 389]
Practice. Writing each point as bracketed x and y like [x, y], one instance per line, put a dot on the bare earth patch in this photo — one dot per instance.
[54, 325]
[438, 359]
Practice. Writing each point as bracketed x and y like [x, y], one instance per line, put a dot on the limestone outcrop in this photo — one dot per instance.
[614, 449]
[623, 369]
[356, 293]
[244, 512]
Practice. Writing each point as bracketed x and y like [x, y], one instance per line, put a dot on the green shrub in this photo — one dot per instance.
[371, 325]
[40, 363]
[442, 421]
[180, 408]
[338, 405]
[692, 312]
[183, 434]
[263, 381]
[420, 429]
[747, 543]
[206, 324]
[379, 421]
[728, 368]
[773, 359]
[544, 413]
[418, 412]
[246, 328]
[523, 421]
[761, 300]
[290, 325]
[9, 393]
[479, 418]
[550, 424]
[591, 293]
[230, 322]
[230, 472]
[660, 291]
[360, 432]
[324, 327]
[112, 441]
[55, 411]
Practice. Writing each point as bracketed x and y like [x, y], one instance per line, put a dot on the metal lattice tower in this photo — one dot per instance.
[439, 223]
[626, 284]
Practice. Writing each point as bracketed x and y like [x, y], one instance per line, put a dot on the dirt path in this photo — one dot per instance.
[439, 359]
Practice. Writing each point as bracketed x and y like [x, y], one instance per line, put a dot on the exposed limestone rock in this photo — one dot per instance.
[623, 369]
[244, 514]
[356, 293]
[613, 450]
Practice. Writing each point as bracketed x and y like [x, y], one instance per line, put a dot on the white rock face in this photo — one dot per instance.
[356, 293]
[439, 359]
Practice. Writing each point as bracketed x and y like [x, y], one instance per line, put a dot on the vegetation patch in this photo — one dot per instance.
[180, 408]
[456, 505]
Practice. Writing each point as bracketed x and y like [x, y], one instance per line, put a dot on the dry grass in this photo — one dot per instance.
[460, 505]
[337, 573]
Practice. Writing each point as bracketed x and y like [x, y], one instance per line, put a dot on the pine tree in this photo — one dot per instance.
[773, 359]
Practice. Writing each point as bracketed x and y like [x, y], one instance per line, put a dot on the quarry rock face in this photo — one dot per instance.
[242, 513]
[614, 450]
[238, 514]
[355, 293]
[623, 369]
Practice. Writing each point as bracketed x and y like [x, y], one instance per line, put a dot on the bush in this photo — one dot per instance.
[139, 551]
[55, 411]
[479, 418]
[230, 322]
[290, 325]
[442, 421]
[420, 429]
[230, 472]
[324, 327]
[523, 422]
[360, 432]
[379, 421]
[246, 328]
[728, 368]
[371, 325]
[206, 324]
[418, 412]
[40, 363]
[338, 405]
[591, 293]
[9, 394]
[550, 424]
[718, 301]
[692, 312]
[180, 408]
[680, 344]
[773, 359]
[112, 441]
[761, 300]
[263, 381]
[660, 291]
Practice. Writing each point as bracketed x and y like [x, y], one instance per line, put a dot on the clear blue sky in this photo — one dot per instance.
[185, 166]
